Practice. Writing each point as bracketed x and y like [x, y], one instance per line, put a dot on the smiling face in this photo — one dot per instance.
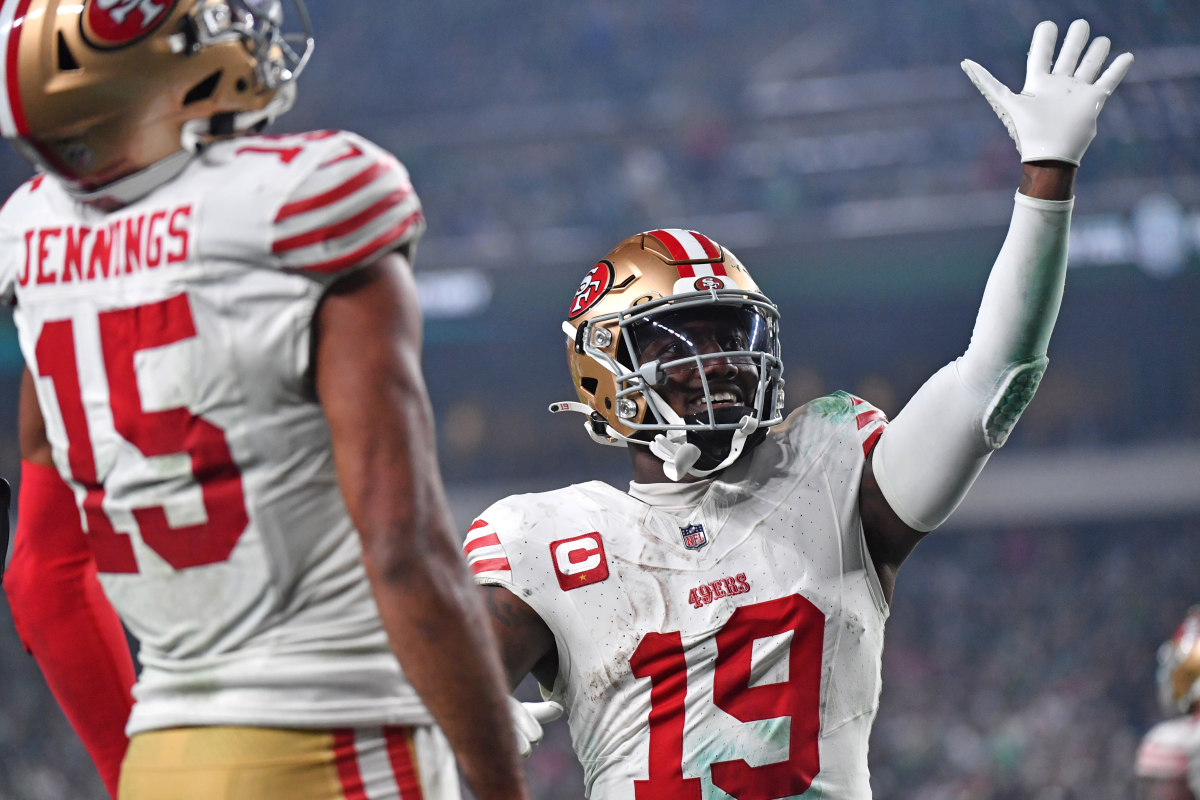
[705, 356]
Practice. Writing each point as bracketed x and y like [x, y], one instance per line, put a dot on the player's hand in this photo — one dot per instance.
[1054, 116]
[527, 721]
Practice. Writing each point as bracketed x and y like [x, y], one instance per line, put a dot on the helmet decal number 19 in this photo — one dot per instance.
[660, 657]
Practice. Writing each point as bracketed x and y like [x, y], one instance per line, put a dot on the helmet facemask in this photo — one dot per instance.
[279, 56]
[716, 353]
[259, 24]
[672, 346]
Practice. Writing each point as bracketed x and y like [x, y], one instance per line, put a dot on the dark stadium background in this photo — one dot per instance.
[838, 149]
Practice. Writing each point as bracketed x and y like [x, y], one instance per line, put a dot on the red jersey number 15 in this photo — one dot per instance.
[123, 332]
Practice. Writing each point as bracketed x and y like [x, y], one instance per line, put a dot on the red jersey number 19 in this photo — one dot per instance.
[660, 657]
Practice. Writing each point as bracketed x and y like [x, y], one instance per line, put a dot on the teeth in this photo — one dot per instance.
[724, 397]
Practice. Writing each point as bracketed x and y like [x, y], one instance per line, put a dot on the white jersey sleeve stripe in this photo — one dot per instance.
[344, 227]
[485, 554]
[385, 242]
[1161, 761]
[351, 208]
[1167, 749]
[331, 196]
[871, 423]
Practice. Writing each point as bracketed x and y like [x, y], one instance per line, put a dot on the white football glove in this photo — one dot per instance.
[1054, 116]
[527, 721]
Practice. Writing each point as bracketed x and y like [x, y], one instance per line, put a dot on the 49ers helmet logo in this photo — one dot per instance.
[708, 283]
[594, 286]
[110, 24]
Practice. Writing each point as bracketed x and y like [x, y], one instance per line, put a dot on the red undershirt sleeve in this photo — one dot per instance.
[65, 621]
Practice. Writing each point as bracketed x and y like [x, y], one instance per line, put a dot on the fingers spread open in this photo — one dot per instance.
[1093, 60]
[1041, 50]
[1115, 72]
[1072, 46]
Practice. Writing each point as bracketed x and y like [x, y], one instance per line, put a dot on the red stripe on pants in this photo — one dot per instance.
[345, 756]
[404, 767]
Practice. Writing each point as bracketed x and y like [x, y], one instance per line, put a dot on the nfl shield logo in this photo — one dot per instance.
[694, 536]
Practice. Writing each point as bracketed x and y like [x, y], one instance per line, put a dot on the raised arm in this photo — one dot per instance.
[932, 452]
[58, 607]
[369, 382]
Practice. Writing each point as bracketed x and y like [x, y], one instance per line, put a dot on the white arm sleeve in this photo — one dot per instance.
[929, 456]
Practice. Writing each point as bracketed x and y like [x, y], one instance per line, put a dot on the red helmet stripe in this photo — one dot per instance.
[672, 243]
[691, 246]
[710, 249]
[13, 122]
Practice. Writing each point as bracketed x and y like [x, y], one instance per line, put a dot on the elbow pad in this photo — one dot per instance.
[1013, 393]
[931, 453]
[933, 450]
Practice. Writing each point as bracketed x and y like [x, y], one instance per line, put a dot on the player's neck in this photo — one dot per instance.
[133, 187]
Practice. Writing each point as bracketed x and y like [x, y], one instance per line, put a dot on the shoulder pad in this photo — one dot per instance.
[337, 201]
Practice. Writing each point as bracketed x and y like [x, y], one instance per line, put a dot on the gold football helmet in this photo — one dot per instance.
[1179, 667]
[99, 90]
[626, 334]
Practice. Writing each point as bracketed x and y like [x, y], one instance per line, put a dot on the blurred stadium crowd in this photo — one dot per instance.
[839, 150]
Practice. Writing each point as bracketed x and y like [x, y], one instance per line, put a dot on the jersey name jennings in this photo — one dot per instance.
[67, 253]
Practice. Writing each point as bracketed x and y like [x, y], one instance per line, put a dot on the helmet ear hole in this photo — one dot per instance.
[590, 385]
[66, 60]
[203, 90]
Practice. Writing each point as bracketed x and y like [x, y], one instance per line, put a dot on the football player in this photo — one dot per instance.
[224, 423]
[716, 630]
[1168, 759]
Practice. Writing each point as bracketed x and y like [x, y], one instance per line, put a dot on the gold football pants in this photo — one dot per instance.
[238, 763]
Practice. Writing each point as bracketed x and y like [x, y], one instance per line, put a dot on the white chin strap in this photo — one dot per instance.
[679, 456]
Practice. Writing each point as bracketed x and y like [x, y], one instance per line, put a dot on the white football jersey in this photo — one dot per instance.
[730, 651]
[1171, 751]
[170, 344]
